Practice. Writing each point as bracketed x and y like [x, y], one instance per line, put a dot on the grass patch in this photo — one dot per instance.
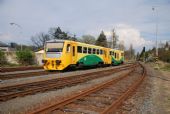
[166, 67]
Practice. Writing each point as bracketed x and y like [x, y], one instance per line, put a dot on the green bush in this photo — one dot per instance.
[164, 56]
[3, 60]
[25, 57]
[166, 67]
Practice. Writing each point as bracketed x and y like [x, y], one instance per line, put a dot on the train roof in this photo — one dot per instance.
[90, 45]
[55, 40]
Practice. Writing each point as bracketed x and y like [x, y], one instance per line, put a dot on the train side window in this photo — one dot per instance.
[101, 52]
[113, 53]
[79, 49]
[73, 50]
[68, 47]
[89, 50]
[84, 49]
[110, 52]
[97, 51]
[94, 51]
[122, 54]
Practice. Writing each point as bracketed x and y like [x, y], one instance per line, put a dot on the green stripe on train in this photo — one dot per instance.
[90, 60]
[116, 62]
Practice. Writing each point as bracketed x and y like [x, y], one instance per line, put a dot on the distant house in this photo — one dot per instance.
[4, 47]
[39, 57]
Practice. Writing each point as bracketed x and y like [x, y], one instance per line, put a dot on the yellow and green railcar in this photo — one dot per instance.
[60, 54]
[117, 56]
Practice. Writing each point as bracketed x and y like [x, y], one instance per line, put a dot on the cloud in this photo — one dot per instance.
[6, 37]
[130, 35]
[84, 17]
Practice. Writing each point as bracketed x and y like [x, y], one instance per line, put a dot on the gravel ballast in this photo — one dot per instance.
[11, 82]
[25, 104]
[152, 96]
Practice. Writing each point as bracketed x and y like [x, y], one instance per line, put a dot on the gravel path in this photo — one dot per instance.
[30, 102]
[152, 97]
[161, 91]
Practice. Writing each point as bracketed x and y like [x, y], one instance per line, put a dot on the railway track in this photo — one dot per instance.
[104, 98]
[11, 69]
[7, 76]
[27, 72]
[19, 90]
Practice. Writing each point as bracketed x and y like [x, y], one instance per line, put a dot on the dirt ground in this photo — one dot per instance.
[161, 92]
[152, 97]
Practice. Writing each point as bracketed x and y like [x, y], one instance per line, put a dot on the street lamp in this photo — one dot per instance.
[156, 33]
[17, 25]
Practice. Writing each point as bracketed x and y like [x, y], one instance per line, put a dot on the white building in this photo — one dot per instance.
[39, 57]
[4, 47]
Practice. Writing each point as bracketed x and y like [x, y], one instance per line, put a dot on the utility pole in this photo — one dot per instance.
[17, 25]
[156, 32]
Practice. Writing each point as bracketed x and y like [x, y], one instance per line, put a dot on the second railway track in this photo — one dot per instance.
[7, 76]
[23, 72]
[10, 92]
[104, 98]
[23, 68]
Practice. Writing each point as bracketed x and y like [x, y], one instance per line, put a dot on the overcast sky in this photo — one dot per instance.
[133, 20]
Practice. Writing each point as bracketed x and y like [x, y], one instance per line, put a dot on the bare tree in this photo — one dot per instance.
[121, 45]
[131, 51]
[40, 39]
[114, 39]
[89, 39]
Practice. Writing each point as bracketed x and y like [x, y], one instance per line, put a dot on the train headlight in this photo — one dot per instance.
[58, 62]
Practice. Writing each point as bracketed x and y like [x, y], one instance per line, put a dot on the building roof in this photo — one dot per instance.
[3, 44]
[56, 40]
[40, 52]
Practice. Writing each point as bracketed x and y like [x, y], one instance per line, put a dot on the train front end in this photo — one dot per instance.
[53, 53]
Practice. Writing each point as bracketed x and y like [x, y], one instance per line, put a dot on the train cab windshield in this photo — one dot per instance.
[54, 47]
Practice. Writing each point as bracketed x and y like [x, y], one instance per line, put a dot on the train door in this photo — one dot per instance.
[109, 56]
[105, 55]
[74, 53]
[68, 54]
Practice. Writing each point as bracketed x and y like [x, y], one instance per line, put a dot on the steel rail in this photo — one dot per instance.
[62, 78]
[124, 96]
[47, 109]
[11, 69]
[47, 86]
[11, 75]
[111, 109]
[25, 74]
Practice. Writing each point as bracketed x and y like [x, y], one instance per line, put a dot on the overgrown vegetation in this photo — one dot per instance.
[25, 57]
[166, 67]
[164, 55]
[150, 55]
[3, 60]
